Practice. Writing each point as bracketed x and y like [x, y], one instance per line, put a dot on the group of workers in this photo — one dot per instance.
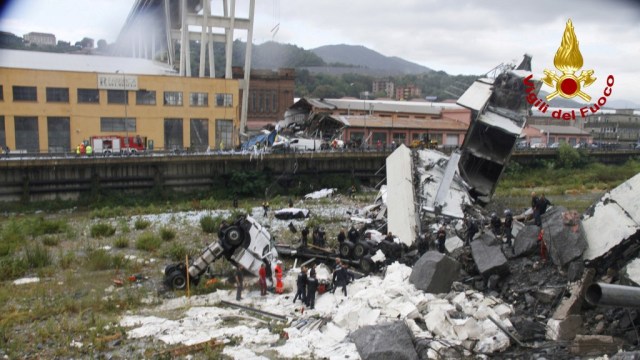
[83, 149]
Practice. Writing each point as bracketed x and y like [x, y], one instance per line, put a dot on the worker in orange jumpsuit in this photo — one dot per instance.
[278, 270]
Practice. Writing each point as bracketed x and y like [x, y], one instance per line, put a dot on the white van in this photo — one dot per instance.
[303, 144]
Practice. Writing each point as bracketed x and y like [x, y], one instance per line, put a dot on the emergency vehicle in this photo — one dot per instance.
[116, 144]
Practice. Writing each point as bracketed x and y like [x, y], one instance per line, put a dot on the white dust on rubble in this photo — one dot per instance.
[454, 318]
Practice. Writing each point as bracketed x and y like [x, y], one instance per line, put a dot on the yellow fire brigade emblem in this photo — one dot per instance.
[568, 60]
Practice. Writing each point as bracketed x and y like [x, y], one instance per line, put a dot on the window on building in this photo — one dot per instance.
[379, 136]
[58, 95]
[25, 93]
[572, 140]
[117, 124]
[355, 137]
[274, 102]
[1, 93]
[3, 134]
[58, 134]
[552, 139]
[199, 99]
[88, 96]
[26, 130]
[117, 97]
[226, 100]
[173, 134]
[437, 137]
[173, 98]
[400, 138]
[145, 97]
[252, 101]
[224, 133]
[199, 133]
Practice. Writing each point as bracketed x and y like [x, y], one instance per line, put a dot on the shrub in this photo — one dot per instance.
[67, 259]
[167, 234]
[148, 242]
[51, 240]
[42, 226]
[102, 230]
[141, 224]
[121, 243]
[99, 259]
[210, 224]
[175, 252]
[13, 268]
[123, 224]
[106, 213]
[37, 256]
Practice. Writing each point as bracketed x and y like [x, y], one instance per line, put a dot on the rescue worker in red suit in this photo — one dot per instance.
[263, 279]
[278, 270]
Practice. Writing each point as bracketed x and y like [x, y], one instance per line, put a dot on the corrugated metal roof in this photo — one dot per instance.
[21, 59]
[385, 122]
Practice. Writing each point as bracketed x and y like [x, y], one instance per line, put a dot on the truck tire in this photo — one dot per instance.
[234, 236]
[360, 249]
[177, 280]
[367, 265]
[346, 249]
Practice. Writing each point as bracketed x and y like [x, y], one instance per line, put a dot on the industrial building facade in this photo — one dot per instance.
[47, 107]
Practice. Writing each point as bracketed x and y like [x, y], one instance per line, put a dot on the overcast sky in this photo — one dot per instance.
[459, 37]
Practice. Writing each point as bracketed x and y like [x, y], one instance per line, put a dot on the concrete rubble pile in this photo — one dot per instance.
[455, 320]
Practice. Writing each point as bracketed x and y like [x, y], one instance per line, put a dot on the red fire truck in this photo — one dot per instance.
[116, 144]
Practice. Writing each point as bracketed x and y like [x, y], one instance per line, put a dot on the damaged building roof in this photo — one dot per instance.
[383, 122]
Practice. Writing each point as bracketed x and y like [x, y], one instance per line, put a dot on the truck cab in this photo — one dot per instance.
[243, 242]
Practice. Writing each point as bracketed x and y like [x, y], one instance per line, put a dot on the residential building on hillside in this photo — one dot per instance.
[40, 38]
[408, 92]
[383, 87]
[51, 102]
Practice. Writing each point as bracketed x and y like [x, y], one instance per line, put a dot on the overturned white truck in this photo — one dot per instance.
[243, 242]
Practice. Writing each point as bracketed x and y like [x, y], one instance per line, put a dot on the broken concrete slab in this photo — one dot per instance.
[548, 295]
[434, 272]
[585, 345]
[526, 242]
[630, 274]
[453, 243]
[385, 341]
[620, 206]
[400, 196]
[488, 258]
[493, 339]
[573, 304]
[563, 235]
[565, 329]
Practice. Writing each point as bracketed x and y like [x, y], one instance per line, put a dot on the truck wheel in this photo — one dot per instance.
[360, 250]
[233, 236]
[366, 264]
[177, 280]
[346, 248]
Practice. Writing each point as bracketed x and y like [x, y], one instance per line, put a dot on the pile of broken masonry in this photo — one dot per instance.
[482, 300]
